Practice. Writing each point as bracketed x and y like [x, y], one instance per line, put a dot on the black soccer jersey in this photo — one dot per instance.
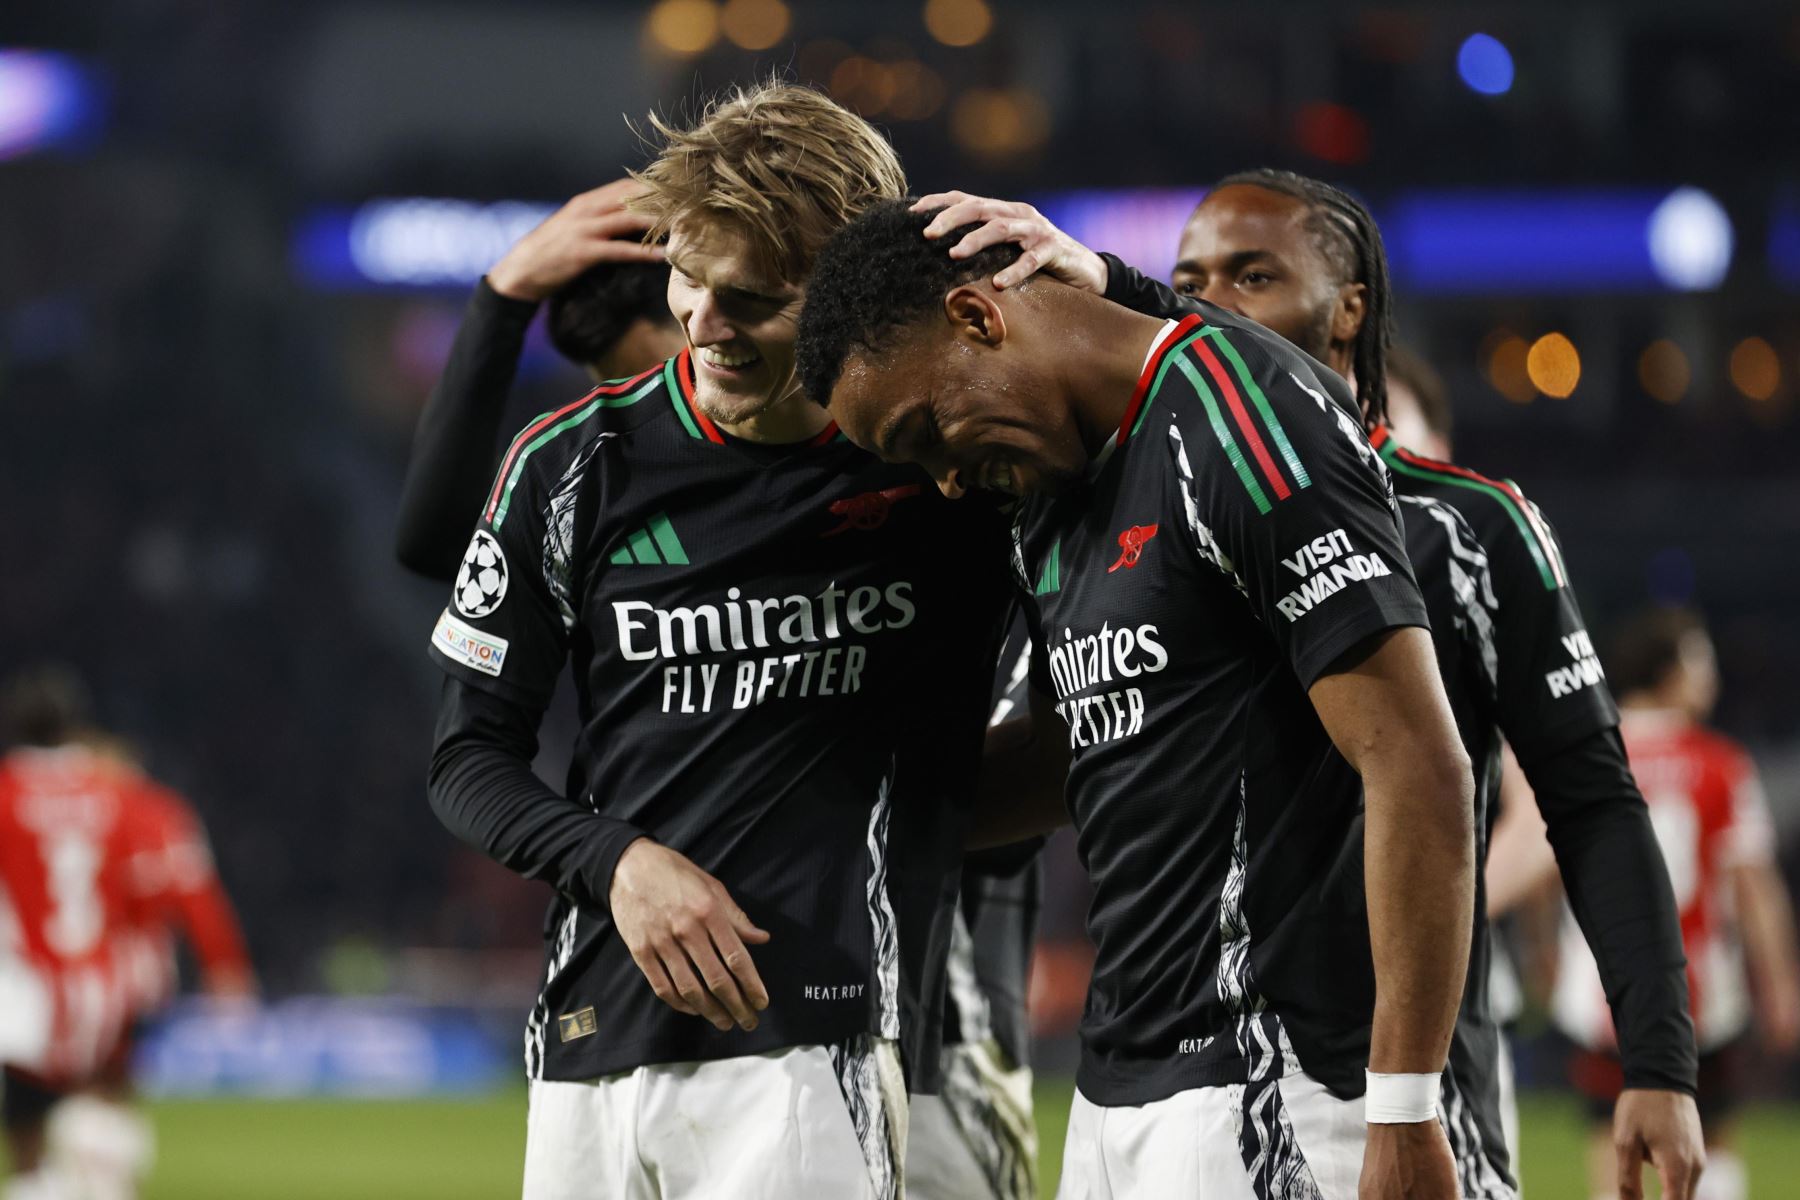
[1516, 657]
[1549, 689]
[1234, 540]
[762, 637]
[1514, 653]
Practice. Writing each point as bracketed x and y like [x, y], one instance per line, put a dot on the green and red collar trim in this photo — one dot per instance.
[678, 373]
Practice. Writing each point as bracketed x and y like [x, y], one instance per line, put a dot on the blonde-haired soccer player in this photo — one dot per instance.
[759, 618]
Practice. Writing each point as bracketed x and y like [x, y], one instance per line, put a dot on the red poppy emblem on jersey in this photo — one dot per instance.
[1131, 544]
[869, 510]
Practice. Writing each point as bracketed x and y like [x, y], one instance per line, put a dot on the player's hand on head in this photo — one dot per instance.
[1043, 248]
[1408, 1162]
[687, 935]
[593, 228]
[1660, 1127]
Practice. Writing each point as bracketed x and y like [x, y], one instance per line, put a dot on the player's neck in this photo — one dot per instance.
[1107, 345]
[793, 419]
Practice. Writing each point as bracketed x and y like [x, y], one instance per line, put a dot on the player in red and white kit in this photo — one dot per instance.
[97, 864]
[176, 890]
[1737, 926]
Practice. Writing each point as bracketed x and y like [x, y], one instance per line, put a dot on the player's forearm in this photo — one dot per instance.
[1767, 920]
[1019, 793]
[483, 790]
[1520, 862]
[1618, 887]
[1419, 868]
[453, 449]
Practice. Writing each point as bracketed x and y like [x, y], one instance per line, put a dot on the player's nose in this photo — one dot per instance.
[949, 482]
[706, 325]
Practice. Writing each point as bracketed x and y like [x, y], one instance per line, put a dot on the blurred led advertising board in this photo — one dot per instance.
[313, 1045]
[1441, 242]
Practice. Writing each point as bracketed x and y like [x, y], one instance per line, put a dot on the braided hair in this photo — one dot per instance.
[1350, 240]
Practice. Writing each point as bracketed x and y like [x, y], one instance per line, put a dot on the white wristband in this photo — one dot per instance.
[1400, 1099]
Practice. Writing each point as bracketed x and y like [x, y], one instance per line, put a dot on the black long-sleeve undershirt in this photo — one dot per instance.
[457, 440]
[1618, 887]
[482, 788]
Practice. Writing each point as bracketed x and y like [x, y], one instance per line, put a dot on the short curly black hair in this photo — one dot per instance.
[590, 313]
[875, 276]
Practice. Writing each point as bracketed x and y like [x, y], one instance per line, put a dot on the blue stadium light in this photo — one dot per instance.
[1690, 240]
[1557, 242]
[1453, 242]
[410, 242]
[1784, 240]
[1140, 225]
[47, 100]
[1485, 64]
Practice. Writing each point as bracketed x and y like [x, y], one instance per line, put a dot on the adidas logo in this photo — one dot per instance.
[653, 545]
[1051, 579]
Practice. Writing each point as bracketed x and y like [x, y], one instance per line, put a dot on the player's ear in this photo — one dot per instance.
[974, 316]
[1351, 310]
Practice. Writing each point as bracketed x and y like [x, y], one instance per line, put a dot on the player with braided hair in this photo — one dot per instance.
[1306, 260]
[1349, 242]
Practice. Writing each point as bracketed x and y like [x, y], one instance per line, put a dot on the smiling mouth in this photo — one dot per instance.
[727, 361]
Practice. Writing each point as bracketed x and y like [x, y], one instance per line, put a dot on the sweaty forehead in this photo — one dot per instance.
[720, 253]
[1240, 218]
[872, 397]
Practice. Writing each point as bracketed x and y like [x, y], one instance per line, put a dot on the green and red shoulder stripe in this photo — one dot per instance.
[1237, 409]
[1524, 515]
[617, 394]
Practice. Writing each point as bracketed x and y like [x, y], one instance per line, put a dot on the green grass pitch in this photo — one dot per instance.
[451, 1149]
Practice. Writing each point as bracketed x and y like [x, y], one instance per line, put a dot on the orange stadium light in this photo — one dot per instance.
[683, 26]
[754, 24]
[1664, 372]
[1503, 358]
[999, 122]
[1755, 370]
[1554, 366]
[958, 22]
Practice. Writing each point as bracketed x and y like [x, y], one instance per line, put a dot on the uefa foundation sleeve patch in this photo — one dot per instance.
[462, 643]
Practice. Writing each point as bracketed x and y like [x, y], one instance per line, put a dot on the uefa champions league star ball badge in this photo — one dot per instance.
[481, 583]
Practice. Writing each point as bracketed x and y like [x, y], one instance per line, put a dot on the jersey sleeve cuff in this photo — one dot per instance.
[1384, 613]
[1662, 1080]
[486, 302]
[1120, 282]
[610, 839]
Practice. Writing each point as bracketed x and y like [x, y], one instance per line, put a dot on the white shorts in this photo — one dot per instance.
[976, 1139]
[1286, 1139]
[804, 1121]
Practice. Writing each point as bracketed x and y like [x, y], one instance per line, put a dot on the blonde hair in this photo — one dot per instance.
[784, 163]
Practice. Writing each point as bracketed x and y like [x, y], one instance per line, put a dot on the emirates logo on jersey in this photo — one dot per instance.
[869, 510]
[1131, 546]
